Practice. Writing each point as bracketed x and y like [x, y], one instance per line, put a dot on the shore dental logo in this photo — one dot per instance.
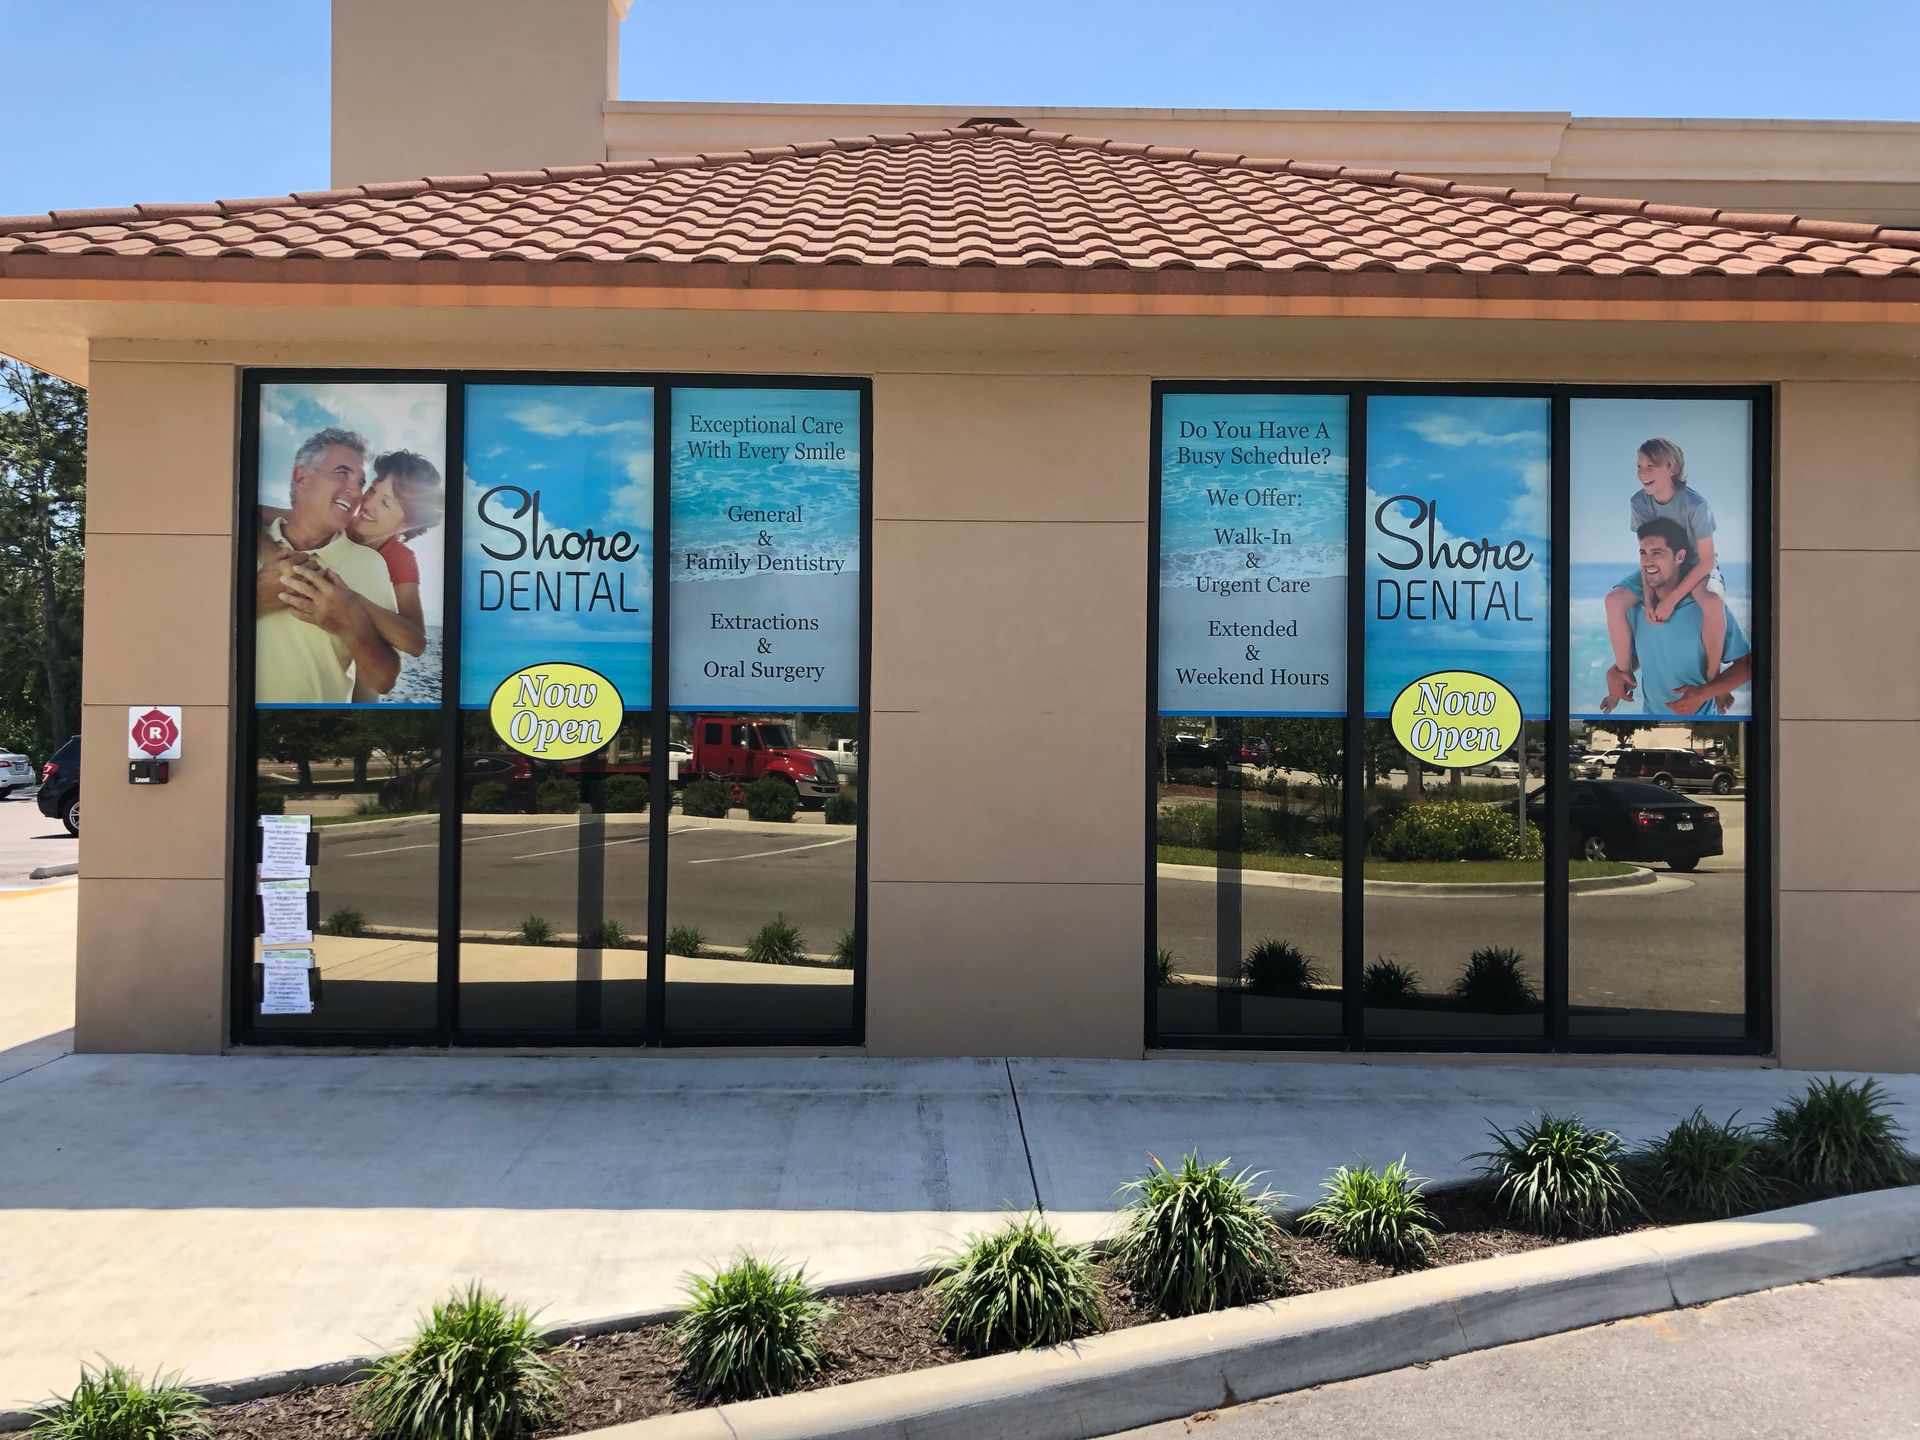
[556, 712]
[1456, 719]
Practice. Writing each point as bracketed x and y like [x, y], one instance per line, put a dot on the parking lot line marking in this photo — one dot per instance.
[573, 849]
[762, 854]
[435, 844]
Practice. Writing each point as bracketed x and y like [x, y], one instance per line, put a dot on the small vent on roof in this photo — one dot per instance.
[994, 120]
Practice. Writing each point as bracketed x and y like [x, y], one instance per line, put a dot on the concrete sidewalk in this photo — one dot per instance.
[229, 1216]
[36, 978]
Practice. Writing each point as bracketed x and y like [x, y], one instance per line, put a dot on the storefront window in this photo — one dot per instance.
[1248, 759]
[520, 892]
[1457, 581]
[1444, 917]
[1660, 680]
[765, 586]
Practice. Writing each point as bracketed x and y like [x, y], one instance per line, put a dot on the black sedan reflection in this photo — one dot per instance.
[1633, 820]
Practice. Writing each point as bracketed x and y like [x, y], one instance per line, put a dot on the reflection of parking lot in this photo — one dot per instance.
[728, 882]
[1677, 945]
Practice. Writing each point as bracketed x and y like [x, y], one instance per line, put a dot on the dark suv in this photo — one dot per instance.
[60, 786]
[1675, 769]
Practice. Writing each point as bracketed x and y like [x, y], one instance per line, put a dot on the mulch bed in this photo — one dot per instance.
[616, 1378]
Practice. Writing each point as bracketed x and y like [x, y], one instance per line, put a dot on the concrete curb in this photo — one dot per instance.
[1439, 890]
[1179, 1367]
[54, 872]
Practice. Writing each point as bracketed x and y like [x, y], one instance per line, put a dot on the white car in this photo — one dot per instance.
[16, 773]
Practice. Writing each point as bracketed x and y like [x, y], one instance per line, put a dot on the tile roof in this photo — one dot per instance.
[993, 196]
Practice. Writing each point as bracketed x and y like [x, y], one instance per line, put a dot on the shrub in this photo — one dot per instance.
[489, 797]
[751, 1329]
[1163, 971]
[1495, 980]
[842, 809]
[1197, 1238]
[368, 805]
[1554, 1175]
[1388, 982]
[113, 1403]
[623, 795]
[1193, 826]
[558, 796]
[771, 799]
[1276, 830]
[535, 931]
[1016, 1288]
[707, 799]
[1457, 830]
[685, 940]
[1705, 1165]
[1279, 967]
[1330, 844]
[607, 935]
[845, 950]
[344, 922]
[1837, 1138]
[1375, 1215]
[272, 802]
[775, 943]
[474, 1371]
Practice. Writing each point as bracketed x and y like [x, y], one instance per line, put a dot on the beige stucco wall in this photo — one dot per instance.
[461, 87]
[1849, 704]
[1009, 571]
[159, 627]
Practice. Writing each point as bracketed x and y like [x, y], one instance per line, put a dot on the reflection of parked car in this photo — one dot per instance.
[1632, 820]
[845, 755]
[1190, 753]
[1675, 769]
[419, 788]
[60, 786]
[16, 773]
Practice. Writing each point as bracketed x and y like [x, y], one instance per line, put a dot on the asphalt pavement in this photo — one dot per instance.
[727, 882]
[29, 840]
[1832, 1360]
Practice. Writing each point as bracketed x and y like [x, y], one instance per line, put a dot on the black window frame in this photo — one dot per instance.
[1556, 1036]
[447, 1033]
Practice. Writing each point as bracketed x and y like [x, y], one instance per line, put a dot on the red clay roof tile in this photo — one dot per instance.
[983, 195]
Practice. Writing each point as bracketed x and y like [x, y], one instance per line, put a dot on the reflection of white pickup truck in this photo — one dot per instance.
[845, 755]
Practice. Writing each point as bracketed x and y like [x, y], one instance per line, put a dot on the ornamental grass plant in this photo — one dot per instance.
[1838, 1137]
[1196, 1238]
[1376, 1215]
[775, 943]
[1556, 1176]
[1705, 1165]
[1388, 982]
[686, 940]
[1279, 967]
[1495, 981]
[114, 1403]
[476, 1370]
[1017, 1287]
[751, 1328]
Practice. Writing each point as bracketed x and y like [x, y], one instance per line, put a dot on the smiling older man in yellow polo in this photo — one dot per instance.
[312, 638]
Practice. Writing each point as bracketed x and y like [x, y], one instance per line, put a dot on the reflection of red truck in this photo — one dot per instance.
[733, 747]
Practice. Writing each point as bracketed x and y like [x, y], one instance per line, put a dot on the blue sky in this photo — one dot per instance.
[117, 101]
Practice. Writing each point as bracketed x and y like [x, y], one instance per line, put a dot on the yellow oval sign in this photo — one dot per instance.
[1456, 719]
[557, 712]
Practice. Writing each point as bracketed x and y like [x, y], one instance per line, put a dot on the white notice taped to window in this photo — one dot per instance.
[286, 990]
[283, 847]
[283, 913]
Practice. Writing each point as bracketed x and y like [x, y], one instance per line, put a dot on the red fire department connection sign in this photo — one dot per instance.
[153, 732]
